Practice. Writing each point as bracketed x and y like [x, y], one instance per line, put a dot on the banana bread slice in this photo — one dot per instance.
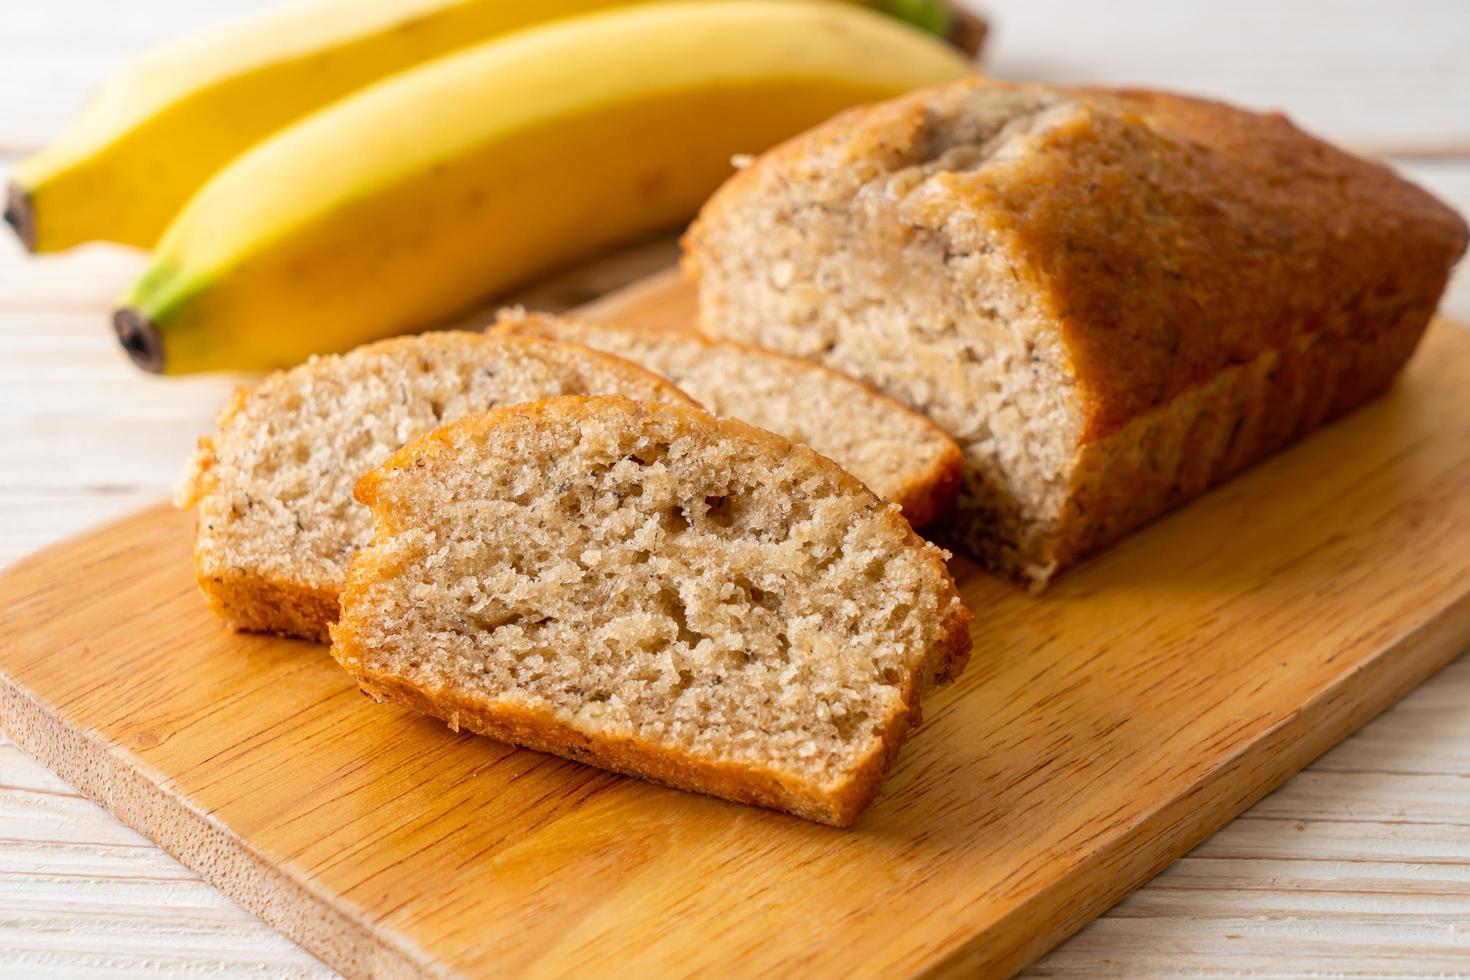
[277, 521]
[1112, 299]
[898, 453]
[653, 590]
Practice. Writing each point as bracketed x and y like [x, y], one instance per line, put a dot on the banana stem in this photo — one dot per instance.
[21, 216]
[140, 338]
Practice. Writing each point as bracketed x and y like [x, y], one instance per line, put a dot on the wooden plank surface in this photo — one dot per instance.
[1280, 891]
[86, 440]
[1103, 729]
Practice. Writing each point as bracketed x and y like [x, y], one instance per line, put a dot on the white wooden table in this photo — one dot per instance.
[1360, 866]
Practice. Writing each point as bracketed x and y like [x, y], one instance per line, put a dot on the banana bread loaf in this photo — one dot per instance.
[652, 590]
[1113, 300]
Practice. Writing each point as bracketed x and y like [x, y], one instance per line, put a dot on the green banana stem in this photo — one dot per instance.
[933, 16]
[942, 18]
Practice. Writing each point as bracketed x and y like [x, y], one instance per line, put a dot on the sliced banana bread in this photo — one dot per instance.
[277, 522]
[898, 453]
[1112, 299]
[654, 590]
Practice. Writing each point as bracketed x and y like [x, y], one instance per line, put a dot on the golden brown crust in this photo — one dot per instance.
[1216, 236]
[535, 727]
[931, 494]
[539, 729]
[928, 493]
[256, 604]
[1246, 412]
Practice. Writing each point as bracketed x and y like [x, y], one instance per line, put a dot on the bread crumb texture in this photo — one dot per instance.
[273, 488]
[1112, 299]
[901, 455]
[656, 591]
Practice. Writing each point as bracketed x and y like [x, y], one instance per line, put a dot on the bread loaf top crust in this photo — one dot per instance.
[1166, 237]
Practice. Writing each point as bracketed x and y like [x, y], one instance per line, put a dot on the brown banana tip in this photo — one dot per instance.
[20, 215]
[140, 338]
[967, 30]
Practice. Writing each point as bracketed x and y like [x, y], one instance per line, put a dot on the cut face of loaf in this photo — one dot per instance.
[899, 454]
[1112, 300]
[656, 591]
[277, 520]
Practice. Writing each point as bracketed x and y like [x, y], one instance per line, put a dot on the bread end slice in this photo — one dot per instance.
[273, 487]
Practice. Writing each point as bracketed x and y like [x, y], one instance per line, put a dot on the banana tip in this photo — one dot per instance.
[967, 30]
[140, 338]
[20, 215]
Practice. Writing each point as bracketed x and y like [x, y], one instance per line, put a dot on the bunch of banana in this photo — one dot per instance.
[418, 194]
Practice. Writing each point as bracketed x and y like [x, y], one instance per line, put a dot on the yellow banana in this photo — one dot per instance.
[162, 126]
[410, 200]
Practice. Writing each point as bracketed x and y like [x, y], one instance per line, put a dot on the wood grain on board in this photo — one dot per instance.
[1364, 859]
[1102, 729]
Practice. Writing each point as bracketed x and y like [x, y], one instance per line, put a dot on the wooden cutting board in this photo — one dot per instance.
[1102, 729]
